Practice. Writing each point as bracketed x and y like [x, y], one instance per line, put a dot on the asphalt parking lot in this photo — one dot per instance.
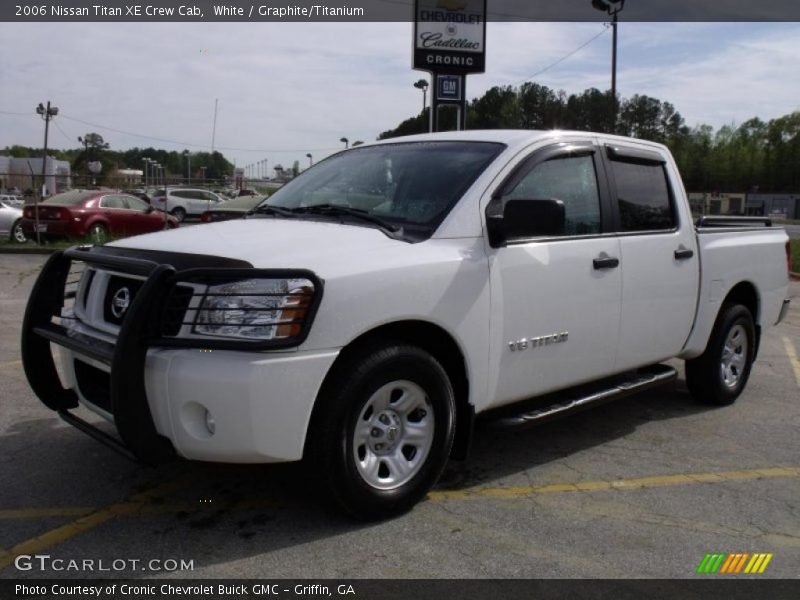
[645, 487]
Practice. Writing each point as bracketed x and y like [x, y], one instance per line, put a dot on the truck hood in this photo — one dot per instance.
[273, 243]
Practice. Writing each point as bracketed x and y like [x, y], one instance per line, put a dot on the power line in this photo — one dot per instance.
[566, 56]
[166, 141]
[61, 130]
[188, 144]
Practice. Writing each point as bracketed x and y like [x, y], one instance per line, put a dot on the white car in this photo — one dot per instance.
[390, 293]
[183, 202]
[11, 218]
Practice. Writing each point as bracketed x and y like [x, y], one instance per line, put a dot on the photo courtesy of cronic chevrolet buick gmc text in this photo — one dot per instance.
[363, 315]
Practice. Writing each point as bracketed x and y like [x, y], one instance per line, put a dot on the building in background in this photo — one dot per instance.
[26, 174]
[785, 206]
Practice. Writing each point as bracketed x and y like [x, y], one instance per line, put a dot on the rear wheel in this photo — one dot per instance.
[17, 233]
[381, 436]
[179, 213]
[719, 375]
[98, 234]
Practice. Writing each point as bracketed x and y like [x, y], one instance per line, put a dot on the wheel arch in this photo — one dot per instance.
[746, 294]
[438, 343]
[96, 220]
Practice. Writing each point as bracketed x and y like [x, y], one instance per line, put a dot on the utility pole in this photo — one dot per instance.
[214, 129]
[46, 114]
[612, 7]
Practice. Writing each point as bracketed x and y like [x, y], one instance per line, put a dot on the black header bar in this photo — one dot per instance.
[194, 11]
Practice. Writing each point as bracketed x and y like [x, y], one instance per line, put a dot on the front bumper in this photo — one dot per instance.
[160, 393]
[260, 403]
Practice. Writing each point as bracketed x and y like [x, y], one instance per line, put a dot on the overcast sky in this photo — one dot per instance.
[288, 89]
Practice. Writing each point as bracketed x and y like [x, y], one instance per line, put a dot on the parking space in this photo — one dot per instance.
[644, 487]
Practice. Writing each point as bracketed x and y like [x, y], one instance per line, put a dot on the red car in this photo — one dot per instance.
[94, 214]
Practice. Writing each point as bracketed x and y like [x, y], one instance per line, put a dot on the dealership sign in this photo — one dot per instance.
[450, 36]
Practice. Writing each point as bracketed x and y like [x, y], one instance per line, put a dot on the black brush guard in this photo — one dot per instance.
[126, 358]
[142, 328]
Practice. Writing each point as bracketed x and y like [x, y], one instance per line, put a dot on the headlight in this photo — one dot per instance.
[255, 309]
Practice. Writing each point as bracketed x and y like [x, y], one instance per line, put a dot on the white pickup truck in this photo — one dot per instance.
[386, 296]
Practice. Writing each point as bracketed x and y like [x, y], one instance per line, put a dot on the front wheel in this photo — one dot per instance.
[17, 233]
[381, 436]
[179, 214]
[719, 375]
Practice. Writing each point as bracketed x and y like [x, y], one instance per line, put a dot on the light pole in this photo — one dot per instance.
[46, 113]
[85, 143]
[422, 84]
[145, 160]
[188, 166]
[346, 142]
[203, 174]
[310, 160]
[612, 7]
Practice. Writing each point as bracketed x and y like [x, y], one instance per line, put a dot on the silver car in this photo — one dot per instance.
[11, 218]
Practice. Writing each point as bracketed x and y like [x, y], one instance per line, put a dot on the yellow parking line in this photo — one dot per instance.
[618, 484]
[792, 358]
[44, 512]
[88, 522]
[10, 363]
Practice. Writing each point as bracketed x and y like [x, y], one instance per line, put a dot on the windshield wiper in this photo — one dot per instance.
[337, 210]
[268, 209]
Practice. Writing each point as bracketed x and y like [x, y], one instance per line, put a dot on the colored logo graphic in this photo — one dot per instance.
[731, 564]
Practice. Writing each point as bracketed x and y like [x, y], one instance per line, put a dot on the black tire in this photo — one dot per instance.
[97, 234]
[179, 213]
[718, 376]
[411, 385]
[17, 233]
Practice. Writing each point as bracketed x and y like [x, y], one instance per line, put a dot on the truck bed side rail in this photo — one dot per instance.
[726, 221]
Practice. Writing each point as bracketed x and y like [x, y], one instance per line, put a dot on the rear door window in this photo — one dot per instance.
[112, 202]
[643, 196]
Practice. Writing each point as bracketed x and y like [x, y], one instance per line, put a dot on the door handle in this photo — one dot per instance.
[605, 262]
[683, 254]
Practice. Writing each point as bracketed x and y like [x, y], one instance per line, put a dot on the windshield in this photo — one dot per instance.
[411, 184]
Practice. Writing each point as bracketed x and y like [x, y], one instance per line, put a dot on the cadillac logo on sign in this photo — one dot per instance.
[450, 36]
[120, 302]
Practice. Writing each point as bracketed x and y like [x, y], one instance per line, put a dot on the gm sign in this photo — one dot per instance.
[448, 88]
[450, 36]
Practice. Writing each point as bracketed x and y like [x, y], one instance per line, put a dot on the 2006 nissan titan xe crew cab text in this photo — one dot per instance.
[363, 315]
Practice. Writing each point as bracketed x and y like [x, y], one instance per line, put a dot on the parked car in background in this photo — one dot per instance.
[11, 218]
[95, 214]
[141, 194]
[244, 192]
[183, 202]
[232, 209]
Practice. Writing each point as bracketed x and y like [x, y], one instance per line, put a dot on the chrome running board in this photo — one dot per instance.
[570, 401]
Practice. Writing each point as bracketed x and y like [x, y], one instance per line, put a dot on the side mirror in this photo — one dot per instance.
[150, 208]
[523, 218]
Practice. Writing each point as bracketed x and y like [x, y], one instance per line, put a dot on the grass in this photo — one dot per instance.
[795, 246]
